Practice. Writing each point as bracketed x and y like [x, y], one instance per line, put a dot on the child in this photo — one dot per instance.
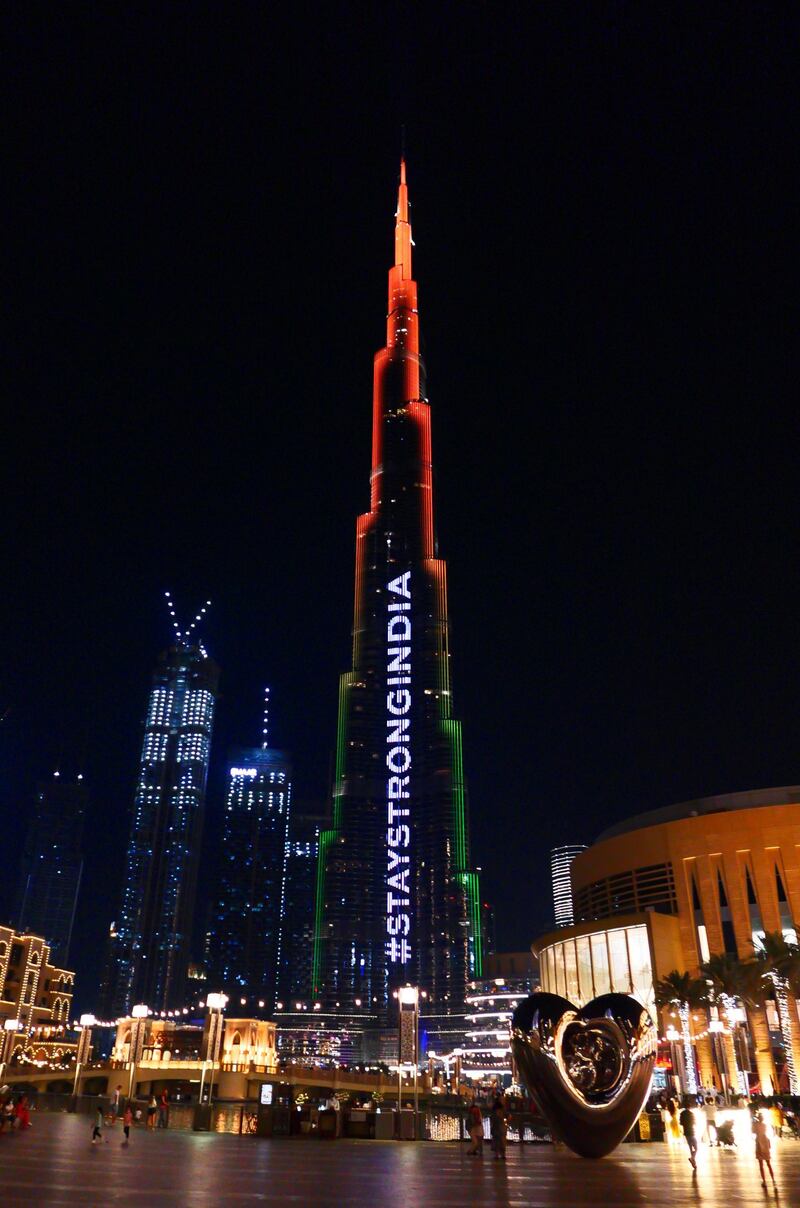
[127, 1121]
[97, 1131]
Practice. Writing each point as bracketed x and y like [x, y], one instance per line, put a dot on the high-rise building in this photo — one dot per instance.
[297, 925]
[151, 939]
[52, 864]
[244, 944]
[560, 864]
[398, 900]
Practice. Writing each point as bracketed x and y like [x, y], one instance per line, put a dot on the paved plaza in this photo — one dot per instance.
[54, 1163]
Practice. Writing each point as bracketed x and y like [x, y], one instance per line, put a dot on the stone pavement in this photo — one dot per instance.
[54, 1163]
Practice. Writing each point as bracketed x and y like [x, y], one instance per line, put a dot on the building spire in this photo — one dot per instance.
[402, 227]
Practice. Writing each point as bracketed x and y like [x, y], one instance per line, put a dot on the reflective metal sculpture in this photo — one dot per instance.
[589, 1069]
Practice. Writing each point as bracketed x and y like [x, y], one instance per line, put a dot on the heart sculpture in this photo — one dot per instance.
[589, 1070]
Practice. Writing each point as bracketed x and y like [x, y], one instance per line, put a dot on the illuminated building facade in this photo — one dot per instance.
[151, 939]
[245, 940]
[297, 924]
[486, 1051]
[37, 995]
[397, 898]
[52, 864]
[668, 889]
[560, 864]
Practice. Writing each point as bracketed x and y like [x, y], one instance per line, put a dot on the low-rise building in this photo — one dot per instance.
[36, 996]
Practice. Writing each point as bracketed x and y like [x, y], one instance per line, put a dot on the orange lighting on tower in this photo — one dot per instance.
[399, 796]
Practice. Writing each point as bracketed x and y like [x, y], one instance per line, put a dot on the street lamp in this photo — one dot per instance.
[7, 1039]
[212, 1040]
[139, 1015]
[408, 1004]
[87, 1022]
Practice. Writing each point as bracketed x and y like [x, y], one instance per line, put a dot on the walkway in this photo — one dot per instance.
[55, 1164]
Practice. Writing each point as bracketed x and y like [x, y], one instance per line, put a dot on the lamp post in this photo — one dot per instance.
[212, 1041]
[84, 1048]
[139, 1015]
[408, 1003]
[715, 1027]
[10, 1026]
[674, 1037]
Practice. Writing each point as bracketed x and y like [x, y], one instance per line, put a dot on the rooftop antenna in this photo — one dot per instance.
[265, 723]
[183, 639]
[175, 625]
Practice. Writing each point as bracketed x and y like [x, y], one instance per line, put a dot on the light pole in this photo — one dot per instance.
[715, 1027]
[212, 1041]
[674, 1037]
[84, 1048]
[139, 1015]
[408, 1002]
[6, 1040]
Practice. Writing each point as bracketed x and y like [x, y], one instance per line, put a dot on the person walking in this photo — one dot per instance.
[116, 1105]
[152, 1108]
[710, 1113]
[475, 1128]
[688, 1125]
[499, 1129]
[97, 1131]
[672, 1122]
[163, 1109]
[127, 1121]
[23, 1112]
[763, 1148]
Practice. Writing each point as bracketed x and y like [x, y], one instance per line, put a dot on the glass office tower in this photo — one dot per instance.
[245, 935]
[151, 939]
[52, 864]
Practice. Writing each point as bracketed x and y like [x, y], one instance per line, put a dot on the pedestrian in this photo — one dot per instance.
[672, 1123]
[23, 1112]
[475, 1128]
[776, 1118]
[6, 1109]
[763, 1148]
[499, 1129]
[710, 1113]
[163, 1109]
[688, 1126]
[116, 1105]
[152, 1108]
[97, 1131]
[127, 1121]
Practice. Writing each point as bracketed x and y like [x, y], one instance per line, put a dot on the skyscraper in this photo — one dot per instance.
[244, 944]
[560, 864]
[297, 924]
[52, 864]
[151, 939]
[397, 898]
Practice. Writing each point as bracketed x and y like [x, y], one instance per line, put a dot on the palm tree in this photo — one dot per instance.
[685, 992]
[754, 992]
[724, 973]
[780, 962]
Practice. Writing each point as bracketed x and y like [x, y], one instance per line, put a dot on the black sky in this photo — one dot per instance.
[199, 232]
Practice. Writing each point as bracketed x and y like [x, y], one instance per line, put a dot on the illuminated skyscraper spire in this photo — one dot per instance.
[397, 900]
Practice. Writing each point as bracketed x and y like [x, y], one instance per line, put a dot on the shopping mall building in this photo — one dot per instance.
[666, 889]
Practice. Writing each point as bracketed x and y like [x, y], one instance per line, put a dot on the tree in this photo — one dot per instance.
[685, 992]
[780, 962]
[754, 992]
[724, 973]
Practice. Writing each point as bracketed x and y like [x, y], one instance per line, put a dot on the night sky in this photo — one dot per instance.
[200, 228]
